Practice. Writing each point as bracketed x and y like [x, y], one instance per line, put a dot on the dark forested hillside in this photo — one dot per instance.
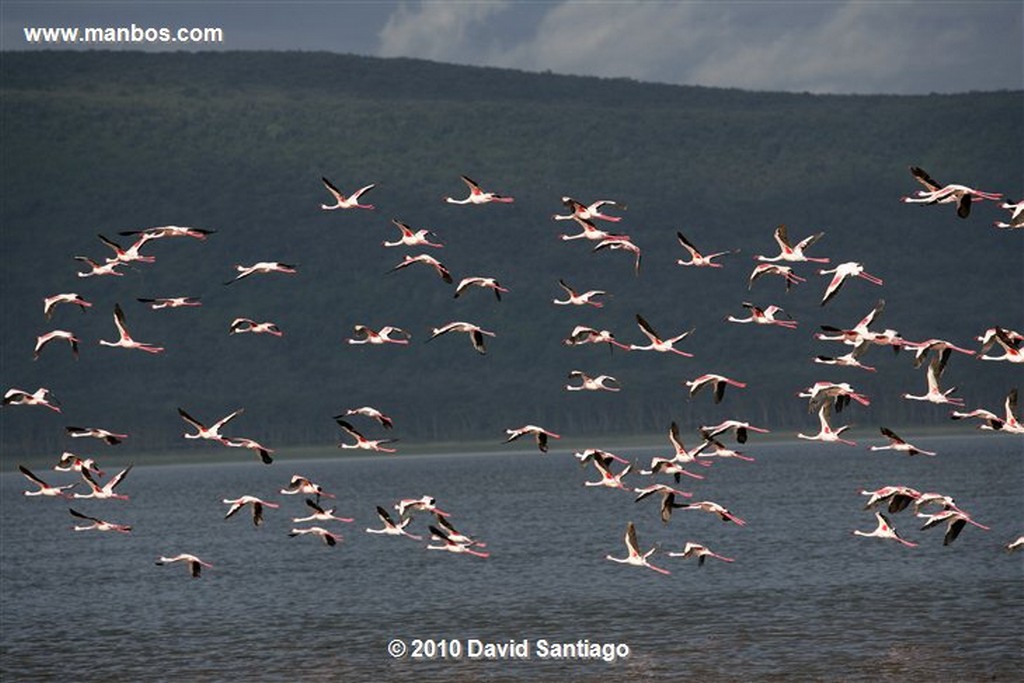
[97, 143]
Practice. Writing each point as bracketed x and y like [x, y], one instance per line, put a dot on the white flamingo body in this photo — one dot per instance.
[842, 273]
[428, 260]
[320, 514]
[899, 445]
[69, 462]
[622, 243]
[935, 394]
[211, 433]
[106, 491]
[50, 303]
[785, 272]
[715, 509]
[478, 196]
[329, 538]
[40, 397]
[257, 505]
[740, 427]
[97, 524]
[166, 231]
[657, 343]
[125, 340]
[634, 557]
[412, 238]
[716, 382]
[575, 298]
[697, 259]
[366, 335]
[263, 268]
[539, 434]
[99, 270]
[54, 335]
[131, 254]
[826, 432]
[792, 254]
[582, 334]
[247, 325]
[1016, 219]
[452, 545]
[193, 563]
[588, 383]
[172, 302]
[371, 412]
[588, 212]
[390, 528]
[259, 449]
[362, 443]
[407, 506]
[483, 282]
[691, 550]
[475, 332]
[764, 316]
[343, 202]
[955, 520]
[305, 486]
[884, 529]
[44, 489]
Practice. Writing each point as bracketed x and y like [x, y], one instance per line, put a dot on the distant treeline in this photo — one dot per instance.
[104, 142]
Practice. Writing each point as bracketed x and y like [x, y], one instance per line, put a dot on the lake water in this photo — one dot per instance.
[804, 599]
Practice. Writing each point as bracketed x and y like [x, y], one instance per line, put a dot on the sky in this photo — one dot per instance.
[842, 46]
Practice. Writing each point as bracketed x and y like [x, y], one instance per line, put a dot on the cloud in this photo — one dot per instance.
[442, 31]
[848, 46]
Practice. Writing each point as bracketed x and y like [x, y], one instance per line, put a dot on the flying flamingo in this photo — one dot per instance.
[343, 202]
[1012, 352]
[935, 193]
[715, 509]
[940, 347]
[262, 268]
[621, 243]
[97, 270]
[45, 339]
[475, 332]
[368, 411]
[301, 485]
[97, 524]
[259, 449]
[365, 335]
[425, 259]
[40, 397]
[44, 488]
[390, 528]
[634, 557]
[107, 490]
[540, 434]
[129, 255]
[849, 360]
[789, 253]
[700, 552]
[361, 441]
[935, 394]
[741, 428]
[478, 196]
[668, 498]
[1014, 545]
[657, 343]
[256, 503]
[681, 455]
[764, 316]
[955, 520]
[455, 535]
[884, 529]
[170, 231]
[785, 272]
[588, 383]
[696, 258]
[716, 382]
[211, 433]
[605, 457]
[826, 433]
[589, 231]
[125, 340]
[608, 479]
[897, 498]
[407, 506]
[484, 282]
[582, 334]
[720, 450]
[51, 302]
[172, 302]
[244, 325]
[69, 462]
[841, 274]
[588, 211]
[577, 299]
[194, 564]
[838, 393]
[412, 238]
[451, 545]
[669, 466]
[899, 445]
[326, 536]
[320, 514]
[1016, 215]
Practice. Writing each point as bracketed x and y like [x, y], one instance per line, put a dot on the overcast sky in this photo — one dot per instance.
[849, 46]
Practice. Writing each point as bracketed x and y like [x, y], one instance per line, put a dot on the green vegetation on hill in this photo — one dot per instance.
[101, 142]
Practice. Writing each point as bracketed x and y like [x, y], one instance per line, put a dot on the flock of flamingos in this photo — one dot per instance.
[827, 399]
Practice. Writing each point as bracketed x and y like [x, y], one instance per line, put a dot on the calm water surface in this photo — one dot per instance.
[804, 600]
